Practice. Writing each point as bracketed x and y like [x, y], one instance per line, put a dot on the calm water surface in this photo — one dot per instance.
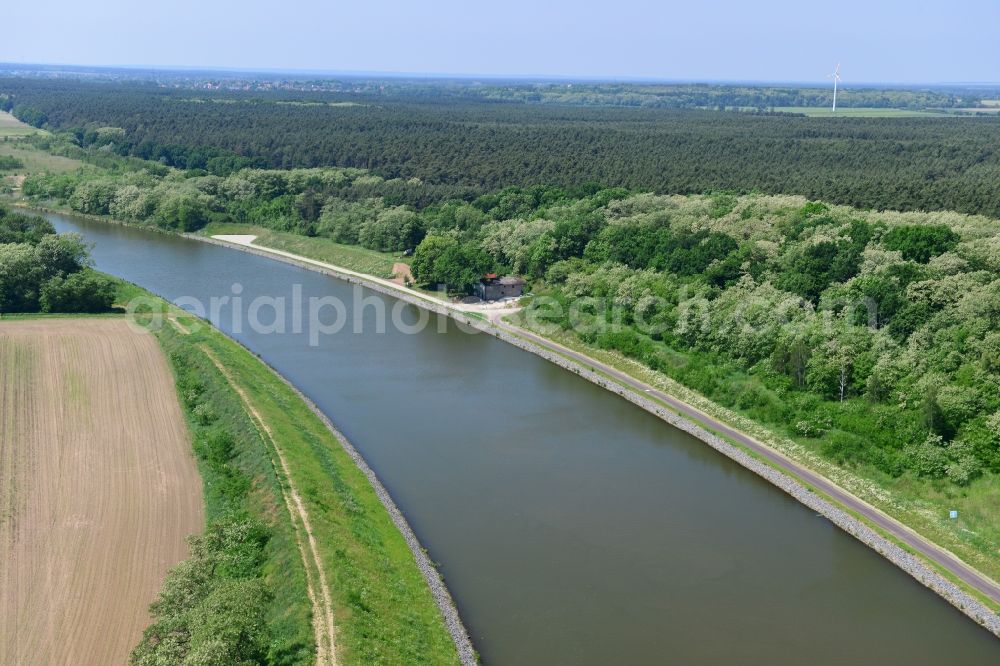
[571, 526]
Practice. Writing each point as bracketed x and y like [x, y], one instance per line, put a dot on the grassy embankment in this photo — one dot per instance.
[354, 257]
[35, 160]
[12, 127]
[383, 610]
[28, 159]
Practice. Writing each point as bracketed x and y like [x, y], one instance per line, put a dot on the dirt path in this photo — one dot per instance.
[401, 274]
[98, 488]
[178, 325]
[318, 589]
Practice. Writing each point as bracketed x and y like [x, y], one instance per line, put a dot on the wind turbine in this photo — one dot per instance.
[836, 79]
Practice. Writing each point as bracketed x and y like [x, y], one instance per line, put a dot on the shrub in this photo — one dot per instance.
[93, 197]
[935, 459]
[20, 275]
[204, 414]
[920, 242]
[211, 609]
[85, 291]
[928, 458]
[982, 438]
[20, 228]
[184, 211]
[844, 447]
[393, 230]
[8, 162]
[963, 470]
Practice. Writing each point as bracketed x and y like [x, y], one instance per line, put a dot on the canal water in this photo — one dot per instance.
[570, 526]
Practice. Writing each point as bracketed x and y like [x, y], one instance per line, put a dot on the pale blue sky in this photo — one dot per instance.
[877, 41]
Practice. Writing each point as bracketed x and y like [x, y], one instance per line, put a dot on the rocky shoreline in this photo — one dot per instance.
[911, 564]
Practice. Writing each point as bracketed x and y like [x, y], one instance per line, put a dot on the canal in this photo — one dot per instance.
[570, 526]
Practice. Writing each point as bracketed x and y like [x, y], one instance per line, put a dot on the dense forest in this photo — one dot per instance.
[41, 271]
[466, 147]
[826, 323]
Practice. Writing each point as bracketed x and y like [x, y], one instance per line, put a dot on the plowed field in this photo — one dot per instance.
[98, 488]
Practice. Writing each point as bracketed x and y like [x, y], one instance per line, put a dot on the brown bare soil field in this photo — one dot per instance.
[401, 274]
[98, 488]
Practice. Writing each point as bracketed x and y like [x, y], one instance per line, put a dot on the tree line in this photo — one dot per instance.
[41, 271]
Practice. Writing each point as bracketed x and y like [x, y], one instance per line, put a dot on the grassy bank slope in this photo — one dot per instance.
[383, 610]
[354, 257]
[12, 127]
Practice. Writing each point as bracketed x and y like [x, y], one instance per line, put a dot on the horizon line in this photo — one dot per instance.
[562, 78]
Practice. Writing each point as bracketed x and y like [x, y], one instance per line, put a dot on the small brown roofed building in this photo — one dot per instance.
[493, 288]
